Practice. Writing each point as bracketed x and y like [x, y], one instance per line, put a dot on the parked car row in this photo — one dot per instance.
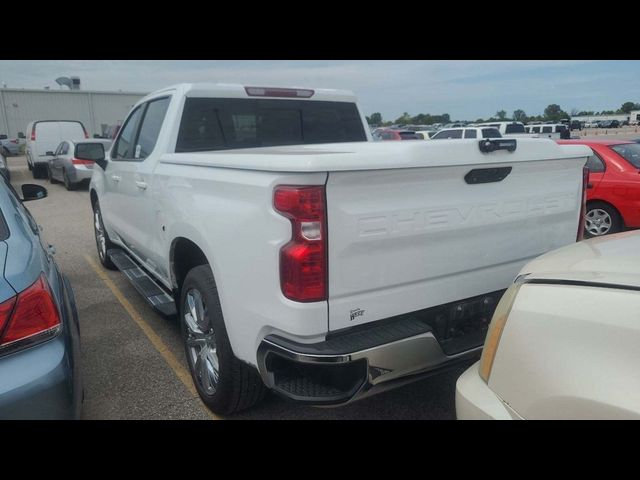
[401, 294]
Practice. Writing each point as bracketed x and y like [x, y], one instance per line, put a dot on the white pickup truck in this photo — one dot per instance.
[301, 256]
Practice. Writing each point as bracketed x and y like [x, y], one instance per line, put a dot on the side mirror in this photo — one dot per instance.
[102, 163]
[31, 191]
[50, 154]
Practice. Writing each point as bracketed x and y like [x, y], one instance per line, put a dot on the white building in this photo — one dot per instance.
[94, 109]
[621, 117]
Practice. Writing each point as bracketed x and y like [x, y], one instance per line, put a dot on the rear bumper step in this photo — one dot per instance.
[156, 296]
[354, 365]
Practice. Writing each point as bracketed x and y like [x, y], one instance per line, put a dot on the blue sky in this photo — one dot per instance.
[464, 89]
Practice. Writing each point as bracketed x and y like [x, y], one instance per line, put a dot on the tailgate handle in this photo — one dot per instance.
[487, 175]
[488, 146]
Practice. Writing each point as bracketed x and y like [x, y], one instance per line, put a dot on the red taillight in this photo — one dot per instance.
[583, 209]
[15, 140]
[279, 92]
[33, 133]
[77, 161]
[303, 261]
[31, 313]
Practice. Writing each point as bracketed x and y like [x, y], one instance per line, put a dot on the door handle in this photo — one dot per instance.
[141, 185]
[115, 178]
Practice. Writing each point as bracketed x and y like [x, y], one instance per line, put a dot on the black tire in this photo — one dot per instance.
[39, 171]
[615, 221]
[102, 253]
[239, 385]
[51, 179]
[67, 183]
[6, 152]
[29, 166]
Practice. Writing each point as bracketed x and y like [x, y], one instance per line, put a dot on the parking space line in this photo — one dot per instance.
[177, 367]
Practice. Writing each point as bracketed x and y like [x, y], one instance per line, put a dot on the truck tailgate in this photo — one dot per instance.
[405, 239]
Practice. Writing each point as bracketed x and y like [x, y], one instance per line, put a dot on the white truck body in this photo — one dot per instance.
[405, 232]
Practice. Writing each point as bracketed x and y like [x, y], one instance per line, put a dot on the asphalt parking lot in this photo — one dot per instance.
[132, 359]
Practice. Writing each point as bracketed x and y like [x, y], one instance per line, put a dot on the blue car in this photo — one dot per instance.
[39, 330]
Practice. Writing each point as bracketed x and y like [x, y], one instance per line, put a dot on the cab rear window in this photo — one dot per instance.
[231, 123]
[514, 128]
[629, 151]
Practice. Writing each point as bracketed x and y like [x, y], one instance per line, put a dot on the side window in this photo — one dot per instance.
[535, 129]
[491, 133]
[470, 134]
[123, 149]
[151, 123]
[64, 150]
[547, 129]
[454, 134]
[58, 150]
[595, 163]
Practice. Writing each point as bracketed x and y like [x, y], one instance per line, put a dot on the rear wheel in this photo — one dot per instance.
[39, 171]
[51, 179]
[102, 238]
[67, 183]
[225, 383]
[602, 219]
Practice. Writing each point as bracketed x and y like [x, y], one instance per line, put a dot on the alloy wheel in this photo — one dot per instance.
[101, 239]
[598, 222]
[201, 342]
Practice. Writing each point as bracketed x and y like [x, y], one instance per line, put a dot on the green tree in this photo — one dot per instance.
[519, 116]
[554, 113]
[403, 120]
[375, 119]
[627, 107]
[422, 119]
[501, 114]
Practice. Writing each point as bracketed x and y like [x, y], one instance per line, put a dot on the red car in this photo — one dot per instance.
[398, 135]
[613, 195]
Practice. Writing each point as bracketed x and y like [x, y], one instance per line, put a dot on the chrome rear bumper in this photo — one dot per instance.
[329, 373]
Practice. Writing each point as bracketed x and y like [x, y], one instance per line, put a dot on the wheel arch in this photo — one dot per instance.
[184, 255]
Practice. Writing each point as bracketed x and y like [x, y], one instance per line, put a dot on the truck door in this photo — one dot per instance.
[112, 202]
[141, 219]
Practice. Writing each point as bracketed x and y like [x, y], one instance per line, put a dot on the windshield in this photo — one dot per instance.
[90, 151]
[228, 123]
[629, 151]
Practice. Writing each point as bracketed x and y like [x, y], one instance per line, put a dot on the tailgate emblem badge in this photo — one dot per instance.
[356, 313]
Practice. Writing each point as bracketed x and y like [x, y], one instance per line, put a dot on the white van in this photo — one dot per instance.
[44, 136]
[505, 128]
[555, 130]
